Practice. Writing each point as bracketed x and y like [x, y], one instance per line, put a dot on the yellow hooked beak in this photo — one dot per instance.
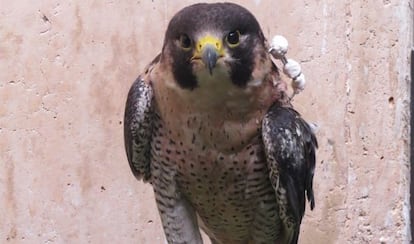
[209, 49]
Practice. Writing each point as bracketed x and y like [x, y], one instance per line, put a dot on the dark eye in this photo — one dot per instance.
[185, 42]
[233, 38]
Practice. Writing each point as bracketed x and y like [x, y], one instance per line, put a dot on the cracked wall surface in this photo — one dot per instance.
[65, 70]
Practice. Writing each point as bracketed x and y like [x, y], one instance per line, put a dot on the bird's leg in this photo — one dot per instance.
[177, 216]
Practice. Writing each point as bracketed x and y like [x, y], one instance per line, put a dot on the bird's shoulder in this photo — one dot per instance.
[145, 76]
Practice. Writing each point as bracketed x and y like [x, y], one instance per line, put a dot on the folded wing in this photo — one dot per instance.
[290, 148]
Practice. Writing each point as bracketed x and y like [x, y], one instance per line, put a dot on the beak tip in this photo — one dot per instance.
[210, 69]
[210, 58]
[211, 65]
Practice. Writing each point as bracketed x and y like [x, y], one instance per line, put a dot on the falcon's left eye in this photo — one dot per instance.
[233, 38]
[185, 42]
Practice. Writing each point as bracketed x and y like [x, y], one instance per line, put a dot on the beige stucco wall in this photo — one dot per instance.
[65, 69]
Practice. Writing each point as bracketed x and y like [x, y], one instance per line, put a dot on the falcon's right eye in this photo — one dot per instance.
[233, 38]
[185, 42]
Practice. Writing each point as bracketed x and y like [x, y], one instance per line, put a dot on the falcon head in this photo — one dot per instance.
[214, 42]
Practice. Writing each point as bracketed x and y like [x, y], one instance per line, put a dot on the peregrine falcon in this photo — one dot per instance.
[210, 125]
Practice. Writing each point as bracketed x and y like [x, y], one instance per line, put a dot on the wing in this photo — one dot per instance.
[138, 125]
[290, 150]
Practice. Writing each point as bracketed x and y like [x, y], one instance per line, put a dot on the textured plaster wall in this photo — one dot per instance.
[66, 67]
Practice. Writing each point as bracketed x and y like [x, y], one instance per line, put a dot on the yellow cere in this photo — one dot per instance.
[209, 40]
